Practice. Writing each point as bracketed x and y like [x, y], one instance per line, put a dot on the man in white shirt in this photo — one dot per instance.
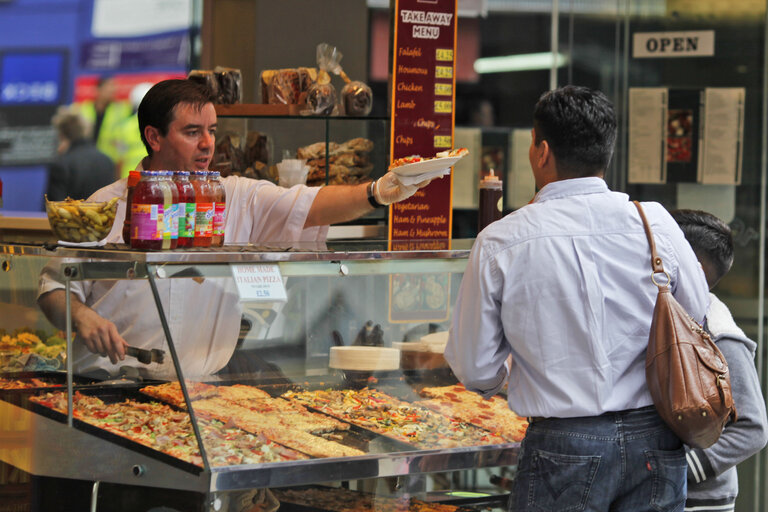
[562, 288]
[178, 124]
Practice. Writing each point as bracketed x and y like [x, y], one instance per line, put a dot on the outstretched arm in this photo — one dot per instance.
[342, 203]
[98, 334]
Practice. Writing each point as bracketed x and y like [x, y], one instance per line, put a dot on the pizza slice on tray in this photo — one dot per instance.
[170, 392]
[275, 427]
[394, 418]
[493, 415]
[169, 431]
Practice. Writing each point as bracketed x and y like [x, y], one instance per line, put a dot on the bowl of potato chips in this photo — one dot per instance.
[78, 221]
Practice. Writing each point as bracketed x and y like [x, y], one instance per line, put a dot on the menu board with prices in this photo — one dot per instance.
[423, 90]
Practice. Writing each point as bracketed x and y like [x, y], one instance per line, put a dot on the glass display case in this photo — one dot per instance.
[318, 366]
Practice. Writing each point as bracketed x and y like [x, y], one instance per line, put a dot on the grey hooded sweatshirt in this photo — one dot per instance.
[712, 480]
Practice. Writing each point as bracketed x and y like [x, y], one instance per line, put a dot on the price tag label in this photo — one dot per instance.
[442, 89]
[443, 71]
[443, 107]
[259, 283]
[444, 54]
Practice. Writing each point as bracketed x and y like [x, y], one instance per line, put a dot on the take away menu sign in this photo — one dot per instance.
[423, 90]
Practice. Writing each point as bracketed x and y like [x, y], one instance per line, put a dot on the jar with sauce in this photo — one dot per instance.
[203, 210]
[490, 206]
[187, 208]
[147, 210]
[219, 208]
[170, 215]
[133, 180]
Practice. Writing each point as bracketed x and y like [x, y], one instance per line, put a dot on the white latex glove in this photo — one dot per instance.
[389, 189]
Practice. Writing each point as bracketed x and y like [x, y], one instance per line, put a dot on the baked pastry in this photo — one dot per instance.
[321, 99]
[356, 99]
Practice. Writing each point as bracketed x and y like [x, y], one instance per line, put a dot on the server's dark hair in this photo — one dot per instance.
[156, 109]
[579, 124]
[710, 239]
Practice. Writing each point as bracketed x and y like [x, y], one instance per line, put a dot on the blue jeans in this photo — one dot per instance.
[627, 461]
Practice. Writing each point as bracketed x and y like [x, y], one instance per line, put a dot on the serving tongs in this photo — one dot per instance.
[146, 356]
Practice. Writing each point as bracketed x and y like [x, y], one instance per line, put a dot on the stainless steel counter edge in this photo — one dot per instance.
[330, 251]
[353, 468]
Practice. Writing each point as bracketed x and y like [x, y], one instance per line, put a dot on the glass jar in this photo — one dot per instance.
[219, 208]
[186, 207]
[147, 208]
[170, 204]
[203, 209]
[133, 180]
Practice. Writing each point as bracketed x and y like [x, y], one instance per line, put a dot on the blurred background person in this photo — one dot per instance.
[80, 168]
[104, 114]
[128, 147]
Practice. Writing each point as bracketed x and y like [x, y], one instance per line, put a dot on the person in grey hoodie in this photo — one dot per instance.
[712, 480]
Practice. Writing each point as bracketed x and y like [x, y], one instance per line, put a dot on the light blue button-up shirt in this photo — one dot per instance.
[564, 285]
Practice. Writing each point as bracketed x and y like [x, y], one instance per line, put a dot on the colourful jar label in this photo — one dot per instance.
[187, 213]
[147, 221]
[218, 218]
[171, 222]
[204, 220]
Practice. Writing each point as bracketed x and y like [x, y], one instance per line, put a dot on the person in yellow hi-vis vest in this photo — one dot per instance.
[104, 114]
[127, 144]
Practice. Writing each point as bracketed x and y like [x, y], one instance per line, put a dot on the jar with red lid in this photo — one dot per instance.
[186, 208]
[147, 211]
[203, 209]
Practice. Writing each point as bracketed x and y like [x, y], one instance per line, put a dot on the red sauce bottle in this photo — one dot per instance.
[219, 208]
[147, 211]
[203, 209]
[187, 208]
[133, 180]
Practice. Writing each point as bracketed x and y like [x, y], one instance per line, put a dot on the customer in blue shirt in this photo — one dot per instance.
[562, 288]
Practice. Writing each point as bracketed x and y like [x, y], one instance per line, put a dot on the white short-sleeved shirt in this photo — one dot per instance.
[203, 317]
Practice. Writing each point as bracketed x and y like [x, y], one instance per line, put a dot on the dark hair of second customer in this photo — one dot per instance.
[711, 240]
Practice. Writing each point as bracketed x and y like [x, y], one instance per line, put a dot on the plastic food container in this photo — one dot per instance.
[79, 221]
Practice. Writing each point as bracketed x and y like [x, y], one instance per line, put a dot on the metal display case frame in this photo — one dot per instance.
[52, 447]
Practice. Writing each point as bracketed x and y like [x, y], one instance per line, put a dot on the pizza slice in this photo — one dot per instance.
[275, 427]
[493, 414]
[170, 392]
[241, 392]
[394, 418]
[452, 152]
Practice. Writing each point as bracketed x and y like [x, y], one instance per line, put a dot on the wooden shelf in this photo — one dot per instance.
[258, 109]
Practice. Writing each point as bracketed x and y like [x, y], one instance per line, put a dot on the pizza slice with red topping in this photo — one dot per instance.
[493, 414]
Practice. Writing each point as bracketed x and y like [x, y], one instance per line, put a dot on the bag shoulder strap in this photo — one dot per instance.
[656, 263]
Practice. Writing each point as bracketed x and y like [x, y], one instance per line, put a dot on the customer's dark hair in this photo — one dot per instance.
[157, 107]
[711, 240]
[579, 124]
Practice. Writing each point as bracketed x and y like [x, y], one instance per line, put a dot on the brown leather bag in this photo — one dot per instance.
[686, 372]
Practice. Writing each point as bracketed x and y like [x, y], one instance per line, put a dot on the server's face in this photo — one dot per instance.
[190, 141]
